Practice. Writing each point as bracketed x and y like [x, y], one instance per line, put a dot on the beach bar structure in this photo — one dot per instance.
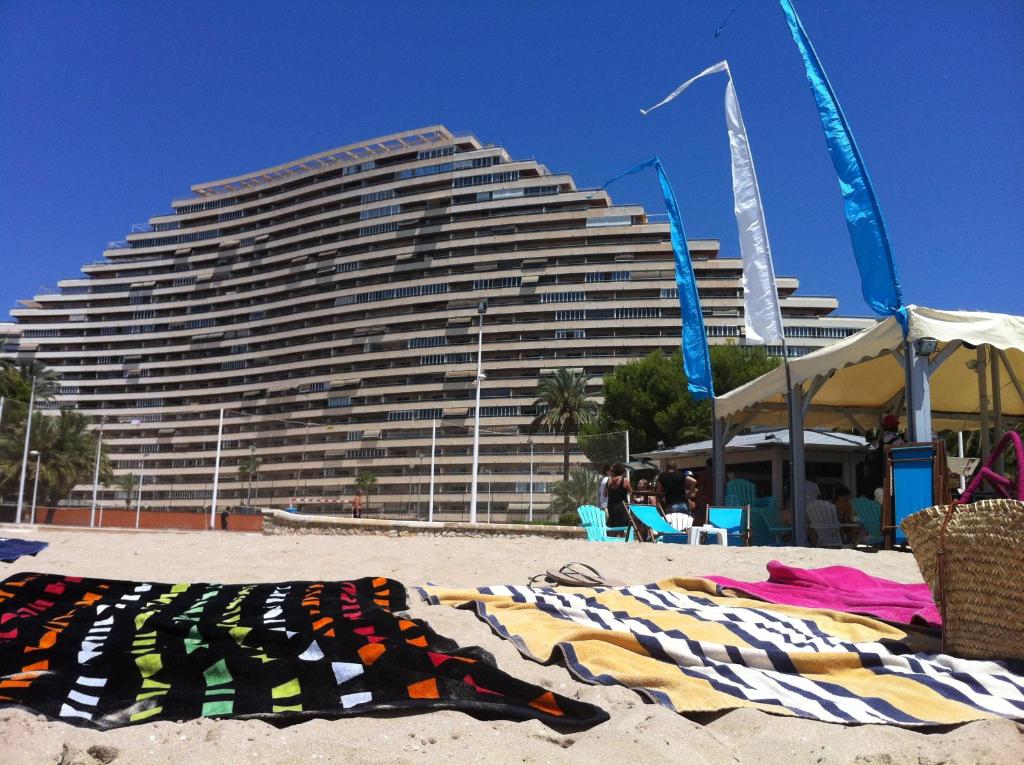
[952, 370]
[762, 457]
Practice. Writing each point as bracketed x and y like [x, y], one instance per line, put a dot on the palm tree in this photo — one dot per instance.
[567, 495]
[564, 406]
[366, 480]
[250, 467]
[127, 483]
[16, 381]
[68, 450]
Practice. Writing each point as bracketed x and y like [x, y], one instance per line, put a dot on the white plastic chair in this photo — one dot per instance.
[822, 517]
[679, 521]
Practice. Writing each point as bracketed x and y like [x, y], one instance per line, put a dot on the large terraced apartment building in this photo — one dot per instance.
[329, 306]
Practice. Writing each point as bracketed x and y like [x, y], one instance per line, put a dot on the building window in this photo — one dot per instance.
[576, 315]
[442, 151]
[380, 212]
[401, 292]
[427, 342]
[380, 228]
[609, 276]
[480, 180]
[418, 172]
[446, 358]
[563, 297]
[498, 283]
[500, 411]
[377, 196]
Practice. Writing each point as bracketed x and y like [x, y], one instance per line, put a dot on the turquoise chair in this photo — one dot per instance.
[649, 516]
[769, 504]
[734, 520]
[593, 520]
[869, 514]
[740, 492]
[763, 533]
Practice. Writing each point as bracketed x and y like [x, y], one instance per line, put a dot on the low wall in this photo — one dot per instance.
[125, 519]
[281, 522]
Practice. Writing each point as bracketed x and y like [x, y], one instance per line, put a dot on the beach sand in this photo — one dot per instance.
[637, 732]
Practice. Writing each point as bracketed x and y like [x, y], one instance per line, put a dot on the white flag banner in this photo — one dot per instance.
[760, 295]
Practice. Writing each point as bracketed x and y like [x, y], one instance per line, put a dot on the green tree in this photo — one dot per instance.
[580, 488]
[366, 480]
[250, 468]
[68, 453]
[648, 396]
[16, 381]
[129, 484]
[564, 407]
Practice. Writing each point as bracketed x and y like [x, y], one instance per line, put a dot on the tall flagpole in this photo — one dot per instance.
[216, 469]
[96, 475]
[433, 451]
[482, 308]
[24, 453]
[762, 313]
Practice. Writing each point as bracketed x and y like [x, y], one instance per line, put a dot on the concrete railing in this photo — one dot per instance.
[281, 522]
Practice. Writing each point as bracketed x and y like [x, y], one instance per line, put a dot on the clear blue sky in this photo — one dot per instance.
[108, 110]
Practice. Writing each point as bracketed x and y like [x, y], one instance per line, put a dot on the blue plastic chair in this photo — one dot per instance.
[648, 516]
[593, 520]
[733, 520]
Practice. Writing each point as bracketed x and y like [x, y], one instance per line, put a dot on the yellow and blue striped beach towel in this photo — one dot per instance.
[685, 646]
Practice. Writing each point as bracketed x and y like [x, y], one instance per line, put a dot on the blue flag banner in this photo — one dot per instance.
[880, 282]
[696, 360]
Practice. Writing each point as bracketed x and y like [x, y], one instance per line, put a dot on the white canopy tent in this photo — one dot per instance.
[955, 370]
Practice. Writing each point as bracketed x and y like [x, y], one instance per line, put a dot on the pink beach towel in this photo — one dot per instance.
[842, 588]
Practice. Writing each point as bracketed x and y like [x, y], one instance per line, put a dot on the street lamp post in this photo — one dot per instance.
[530, 442]
[481, 309]
[35, 487]
[24, 453]
[419, 487]
[433, 450]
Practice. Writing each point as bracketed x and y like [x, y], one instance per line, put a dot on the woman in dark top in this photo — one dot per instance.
[619, 490]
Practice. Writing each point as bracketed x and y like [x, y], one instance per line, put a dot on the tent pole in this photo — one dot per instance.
[919, 409]
[997, 409]
[982, 369]
[793, 482]
[718, 454]
[797, 466]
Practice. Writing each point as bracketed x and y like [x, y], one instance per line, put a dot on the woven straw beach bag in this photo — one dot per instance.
[972, 556]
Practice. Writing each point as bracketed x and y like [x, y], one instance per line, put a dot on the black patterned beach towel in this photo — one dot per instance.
[108, 653]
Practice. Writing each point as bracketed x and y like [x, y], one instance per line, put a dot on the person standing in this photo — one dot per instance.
[706, 495]
[358, 503]
[602, 488]
[671, 486]
[619, 490]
